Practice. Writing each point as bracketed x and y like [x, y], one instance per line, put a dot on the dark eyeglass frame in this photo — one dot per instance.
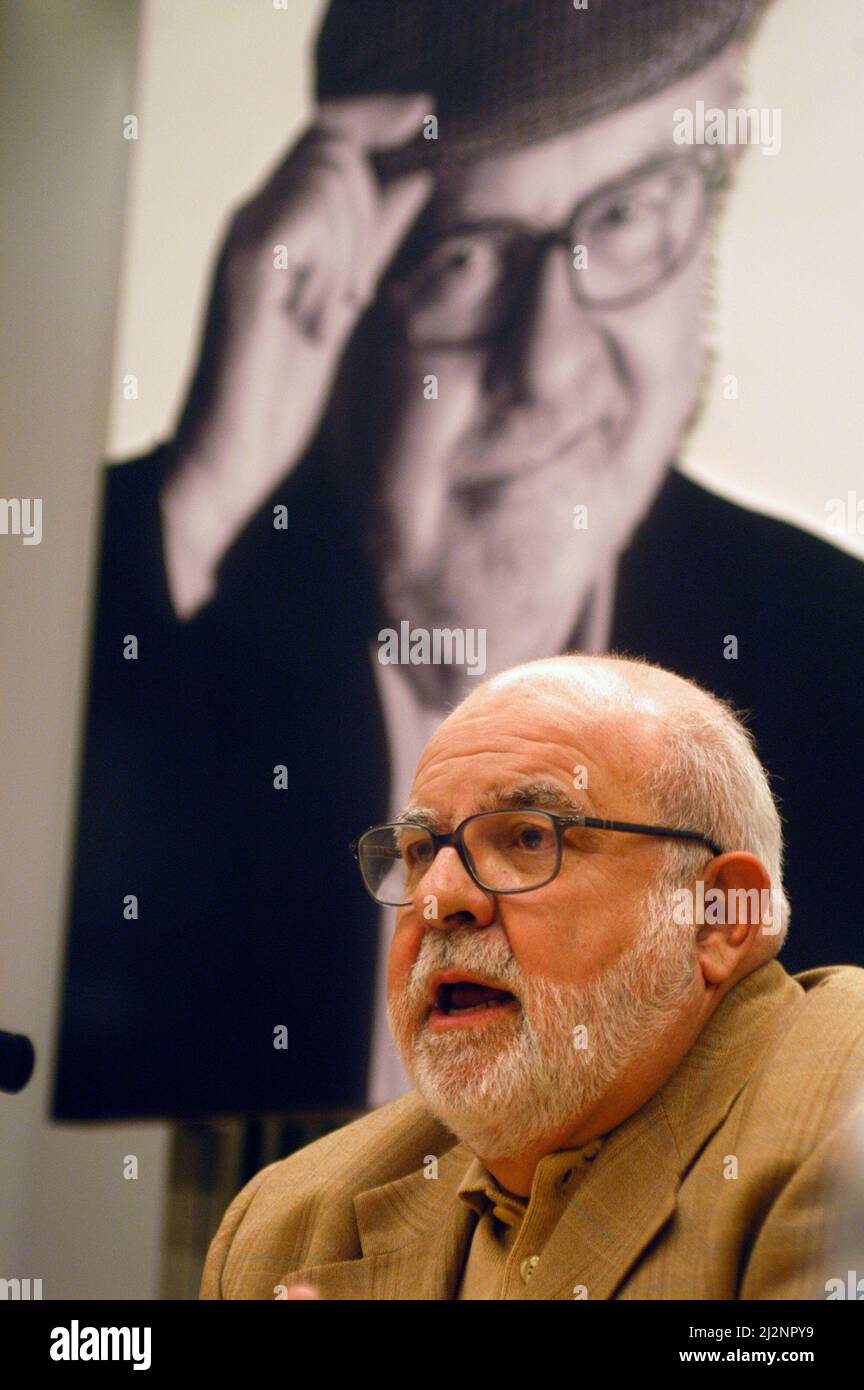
[454, 839]
[709, 160]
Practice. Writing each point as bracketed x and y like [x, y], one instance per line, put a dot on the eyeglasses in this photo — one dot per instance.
[503, 851]
[623, 242]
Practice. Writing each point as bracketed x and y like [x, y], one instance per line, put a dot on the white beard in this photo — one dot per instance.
[504, 1088]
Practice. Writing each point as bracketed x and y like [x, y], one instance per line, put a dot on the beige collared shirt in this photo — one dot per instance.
[508, 1240]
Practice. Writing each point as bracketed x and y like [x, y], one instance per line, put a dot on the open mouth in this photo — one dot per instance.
[469, 996]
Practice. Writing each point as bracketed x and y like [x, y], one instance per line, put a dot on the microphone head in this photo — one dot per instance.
[17, 1059]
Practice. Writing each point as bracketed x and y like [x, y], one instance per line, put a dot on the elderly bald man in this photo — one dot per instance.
[613, 1099]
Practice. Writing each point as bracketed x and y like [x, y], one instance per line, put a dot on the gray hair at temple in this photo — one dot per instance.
[504, 73]
[708, 778]
[711, 778]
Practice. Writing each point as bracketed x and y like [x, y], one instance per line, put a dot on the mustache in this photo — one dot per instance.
[476, 954]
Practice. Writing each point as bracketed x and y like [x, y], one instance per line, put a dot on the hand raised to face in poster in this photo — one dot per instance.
[300, 262]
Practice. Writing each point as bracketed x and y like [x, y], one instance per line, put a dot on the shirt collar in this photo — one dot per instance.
[479, 1189]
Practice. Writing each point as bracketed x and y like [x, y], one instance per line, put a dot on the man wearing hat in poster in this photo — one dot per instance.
[453, 345]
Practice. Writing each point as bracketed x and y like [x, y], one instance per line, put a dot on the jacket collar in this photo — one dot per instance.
[414, 1232]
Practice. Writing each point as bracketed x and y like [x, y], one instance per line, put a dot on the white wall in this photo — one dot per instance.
[791, 280]
[66, 1216]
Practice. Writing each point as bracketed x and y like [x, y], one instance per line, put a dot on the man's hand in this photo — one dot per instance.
[300, 262]
[298, 1292]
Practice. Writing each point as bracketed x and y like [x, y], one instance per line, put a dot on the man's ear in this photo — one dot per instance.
[737, 903]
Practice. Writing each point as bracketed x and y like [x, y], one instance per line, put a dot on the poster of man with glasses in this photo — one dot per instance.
[454, 345]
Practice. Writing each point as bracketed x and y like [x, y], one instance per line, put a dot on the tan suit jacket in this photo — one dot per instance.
[721, 1186]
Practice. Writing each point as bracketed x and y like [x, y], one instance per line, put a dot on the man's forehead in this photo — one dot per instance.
[553, 742]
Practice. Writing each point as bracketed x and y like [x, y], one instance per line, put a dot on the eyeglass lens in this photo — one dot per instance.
[507, 850]
[624, 242]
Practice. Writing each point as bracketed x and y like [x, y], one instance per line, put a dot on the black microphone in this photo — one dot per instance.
[17, 1059]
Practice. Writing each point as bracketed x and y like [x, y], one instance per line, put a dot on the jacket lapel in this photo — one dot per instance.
[613, 1213]
[414, 1234]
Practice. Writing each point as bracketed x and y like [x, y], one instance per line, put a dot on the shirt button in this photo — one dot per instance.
[528, 1266]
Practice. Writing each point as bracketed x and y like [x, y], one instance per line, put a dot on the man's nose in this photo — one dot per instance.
[447, 895]
[557, 345]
